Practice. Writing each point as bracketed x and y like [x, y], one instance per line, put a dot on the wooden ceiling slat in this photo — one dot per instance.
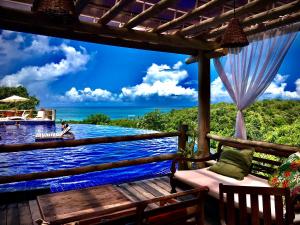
[156, 38]
[24, 20]
[249, 7]
[290, 19]
[259, 18]
[113, 12]
[80, 4]
[148, 13]
[29, 22]
[189, 15]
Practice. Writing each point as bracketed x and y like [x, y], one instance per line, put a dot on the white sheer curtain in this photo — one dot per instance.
[247, 72]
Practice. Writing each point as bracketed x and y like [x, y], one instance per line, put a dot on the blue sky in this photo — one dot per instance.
[72, 73]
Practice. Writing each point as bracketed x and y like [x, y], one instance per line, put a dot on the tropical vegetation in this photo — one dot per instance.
[276, 121]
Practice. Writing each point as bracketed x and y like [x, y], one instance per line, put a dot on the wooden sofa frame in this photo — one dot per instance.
[170, 211]
[261, 167]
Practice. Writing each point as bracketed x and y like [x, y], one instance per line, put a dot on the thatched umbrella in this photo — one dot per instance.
[14, 99]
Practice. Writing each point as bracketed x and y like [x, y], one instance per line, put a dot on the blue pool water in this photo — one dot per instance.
[52, 159]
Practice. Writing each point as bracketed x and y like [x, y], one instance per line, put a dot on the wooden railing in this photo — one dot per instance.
[84, 141]
[269, 156]
[262, 145]
[181, 134]
[182, 139]
[85, 169]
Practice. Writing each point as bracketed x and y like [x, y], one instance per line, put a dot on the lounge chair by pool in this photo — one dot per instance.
[40, 114]
[65, 134]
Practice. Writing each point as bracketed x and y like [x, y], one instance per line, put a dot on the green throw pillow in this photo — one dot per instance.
[234, 163]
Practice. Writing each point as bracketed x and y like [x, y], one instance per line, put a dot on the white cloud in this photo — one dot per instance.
[177, 65]
[87, 94]
[160, 80]
[218, 92]
[277, 89]
[7, 33]
[9, 48]
[298, 86]
[35, 78]
[40, 45]
[280, 78]
[14, 46]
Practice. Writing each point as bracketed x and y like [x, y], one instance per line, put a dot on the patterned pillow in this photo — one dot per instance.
[288, 174]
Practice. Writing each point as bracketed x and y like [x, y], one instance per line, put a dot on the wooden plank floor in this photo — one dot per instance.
[26, 212]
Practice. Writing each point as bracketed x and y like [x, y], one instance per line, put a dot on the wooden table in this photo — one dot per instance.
[76, 205]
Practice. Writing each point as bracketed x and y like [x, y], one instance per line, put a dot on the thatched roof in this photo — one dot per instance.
[182, 26]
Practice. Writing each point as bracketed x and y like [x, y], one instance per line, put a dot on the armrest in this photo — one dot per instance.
[204, 159]
[183, 159]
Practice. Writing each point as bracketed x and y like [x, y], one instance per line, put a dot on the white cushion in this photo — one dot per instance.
[205, 177]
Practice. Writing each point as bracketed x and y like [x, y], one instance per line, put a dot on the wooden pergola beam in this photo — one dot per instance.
[188, 16]
[29, 22]
[135, 35]
[290, 19]
[259, 18]
[80, 4]
[212, 54]
[148, 13]
[196, 28]
[113, 12]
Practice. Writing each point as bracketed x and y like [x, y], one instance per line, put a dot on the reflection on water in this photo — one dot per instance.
[52, 159]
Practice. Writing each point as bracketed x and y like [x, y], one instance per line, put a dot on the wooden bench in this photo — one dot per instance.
[265, 162]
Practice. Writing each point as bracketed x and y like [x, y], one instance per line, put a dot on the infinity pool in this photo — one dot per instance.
[52, 159]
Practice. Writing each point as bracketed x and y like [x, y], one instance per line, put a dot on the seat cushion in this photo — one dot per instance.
[234, 163]
[205, 177]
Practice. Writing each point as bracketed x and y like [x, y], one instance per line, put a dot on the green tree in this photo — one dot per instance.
[20, 91]
[97, 119]
[153, 121]
[286, 134]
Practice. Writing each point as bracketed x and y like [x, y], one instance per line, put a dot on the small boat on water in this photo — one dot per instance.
[63, 135]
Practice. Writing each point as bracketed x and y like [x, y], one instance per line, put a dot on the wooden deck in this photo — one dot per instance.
[26, 212]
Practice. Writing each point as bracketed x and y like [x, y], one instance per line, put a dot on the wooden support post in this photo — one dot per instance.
[182, 141]
[203, 105]
[182, 137]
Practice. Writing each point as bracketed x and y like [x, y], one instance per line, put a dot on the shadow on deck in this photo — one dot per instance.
[25, 212]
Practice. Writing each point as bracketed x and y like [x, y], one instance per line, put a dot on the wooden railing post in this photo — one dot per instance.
[182, 141]
[182, 137]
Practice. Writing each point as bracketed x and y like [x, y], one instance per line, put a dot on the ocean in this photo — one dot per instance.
[80, 113]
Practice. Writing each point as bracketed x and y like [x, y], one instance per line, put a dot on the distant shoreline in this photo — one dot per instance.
[115, 113]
